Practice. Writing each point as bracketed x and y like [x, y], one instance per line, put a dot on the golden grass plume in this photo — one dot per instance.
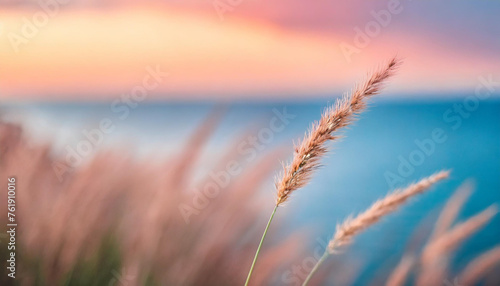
[309, 152]
[352, 226]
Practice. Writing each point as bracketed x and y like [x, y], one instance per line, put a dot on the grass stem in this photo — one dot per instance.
[315, 268]
[260, 244]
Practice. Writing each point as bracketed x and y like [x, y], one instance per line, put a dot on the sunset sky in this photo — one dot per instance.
[97, 50]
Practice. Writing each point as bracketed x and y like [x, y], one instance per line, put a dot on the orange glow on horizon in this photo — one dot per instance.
[98, 54]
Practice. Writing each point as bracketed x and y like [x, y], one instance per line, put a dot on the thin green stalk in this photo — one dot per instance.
[260, 244]
[315, 268]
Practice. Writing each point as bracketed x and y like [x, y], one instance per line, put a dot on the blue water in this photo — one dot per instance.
[354, 174]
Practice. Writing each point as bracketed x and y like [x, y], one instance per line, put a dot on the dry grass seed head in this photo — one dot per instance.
[352, 226]
[312, 148]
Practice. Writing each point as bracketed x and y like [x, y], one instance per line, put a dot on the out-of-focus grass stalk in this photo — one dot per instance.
[315, 268]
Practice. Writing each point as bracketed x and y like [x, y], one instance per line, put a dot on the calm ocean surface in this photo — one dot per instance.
[354, 174]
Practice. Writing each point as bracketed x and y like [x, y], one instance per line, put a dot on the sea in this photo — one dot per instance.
[392, 144]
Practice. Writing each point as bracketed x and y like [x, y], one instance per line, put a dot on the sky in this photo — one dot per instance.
[71, 50]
